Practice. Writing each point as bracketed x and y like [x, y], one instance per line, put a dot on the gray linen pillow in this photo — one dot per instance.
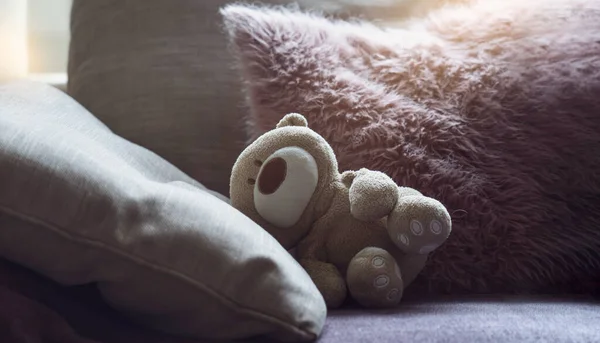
[81, 205]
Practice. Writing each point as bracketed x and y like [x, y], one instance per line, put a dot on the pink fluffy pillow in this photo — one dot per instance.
[493, 108]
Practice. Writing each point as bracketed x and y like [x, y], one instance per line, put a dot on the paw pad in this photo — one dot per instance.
[416, 227]
[436, 227]
[402, 238]
[393, 294]
[381, 281]
[378, 262]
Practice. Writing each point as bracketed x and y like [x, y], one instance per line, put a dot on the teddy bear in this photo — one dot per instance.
[357, 234]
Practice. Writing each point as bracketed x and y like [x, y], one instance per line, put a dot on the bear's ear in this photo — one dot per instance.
[293, 119]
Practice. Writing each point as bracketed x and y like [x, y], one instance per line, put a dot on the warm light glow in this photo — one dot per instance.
[13, 39]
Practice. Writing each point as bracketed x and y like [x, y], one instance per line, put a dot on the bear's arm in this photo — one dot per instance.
[372, 194]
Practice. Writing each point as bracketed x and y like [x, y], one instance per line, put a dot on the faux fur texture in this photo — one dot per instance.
[492, 108]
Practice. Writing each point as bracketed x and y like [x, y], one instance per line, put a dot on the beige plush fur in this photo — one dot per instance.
[355, 232]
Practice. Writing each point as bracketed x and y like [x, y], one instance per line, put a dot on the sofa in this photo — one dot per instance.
[115, 223]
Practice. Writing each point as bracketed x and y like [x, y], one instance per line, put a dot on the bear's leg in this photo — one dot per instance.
[374, 279]
[419, 224]
[328, 280]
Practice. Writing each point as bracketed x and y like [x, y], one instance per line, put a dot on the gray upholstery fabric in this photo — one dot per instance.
[159, 75]
[81, 205]
[471, 320]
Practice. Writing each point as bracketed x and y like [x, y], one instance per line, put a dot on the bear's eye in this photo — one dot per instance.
[284, 186]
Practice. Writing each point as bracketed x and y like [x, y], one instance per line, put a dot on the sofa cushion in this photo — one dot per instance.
[473, 319]
[491, 108]
[81, 205]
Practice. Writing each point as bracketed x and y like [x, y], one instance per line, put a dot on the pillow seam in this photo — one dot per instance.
[141, 261]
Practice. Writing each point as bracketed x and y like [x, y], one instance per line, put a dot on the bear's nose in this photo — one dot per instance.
[285, 185]
[272, 175]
